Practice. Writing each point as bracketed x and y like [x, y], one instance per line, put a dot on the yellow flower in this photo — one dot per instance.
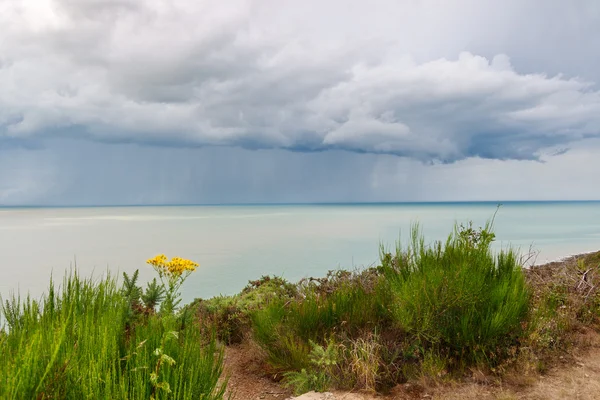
[172, 274]
[158, 261]
[175, 268]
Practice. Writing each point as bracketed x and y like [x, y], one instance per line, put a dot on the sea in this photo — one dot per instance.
[237, 243]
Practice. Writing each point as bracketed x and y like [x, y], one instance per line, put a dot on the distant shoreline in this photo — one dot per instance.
[567, 258]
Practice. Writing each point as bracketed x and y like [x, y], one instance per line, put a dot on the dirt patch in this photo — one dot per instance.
[247, 379]
[579, 379]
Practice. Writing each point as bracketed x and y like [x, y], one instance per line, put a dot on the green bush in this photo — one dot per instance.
[229, 316]
[78, 342]
[457, 297]
[285, 328]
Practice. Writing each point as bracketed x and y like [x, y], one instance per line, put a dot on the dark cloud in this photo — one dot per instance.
[274, 100]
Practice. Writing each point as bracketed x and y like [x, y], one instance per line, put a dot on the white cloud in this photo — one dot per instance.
[279, 75]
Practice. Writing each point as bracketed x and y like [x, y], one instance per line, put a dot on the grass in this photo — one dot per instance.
[80, 342]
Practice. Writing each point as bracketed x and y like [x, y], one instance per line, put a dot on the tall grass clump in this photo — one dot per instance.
[80, 341]
[458, 297]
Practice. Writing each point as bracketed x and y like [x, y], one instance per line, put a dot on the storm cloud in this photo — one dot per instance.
[432, 82]
[193, 73]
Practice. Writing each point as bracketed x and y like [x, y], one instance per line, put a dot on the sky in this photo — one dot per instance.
[106, 102]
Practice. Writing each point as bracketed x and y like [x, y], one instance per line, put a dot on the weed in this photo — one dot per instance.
[318, 376]
[364, 361]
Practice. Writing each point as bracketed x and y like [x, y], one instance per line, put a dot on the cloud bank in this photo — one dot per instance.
[267, 75]
[206, 101]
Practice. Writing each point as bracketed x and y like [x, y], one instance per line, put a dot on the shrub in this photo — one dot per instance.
[457, 297]
[229, 316]
[565, 299]
[285, 328]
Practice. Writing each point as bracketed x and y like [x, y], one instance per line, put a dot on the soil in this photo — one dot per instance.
[247, 377]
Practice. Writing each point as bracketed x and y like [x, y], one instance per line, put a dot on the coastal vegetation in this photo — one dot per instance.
[428, 312]
[91, 339]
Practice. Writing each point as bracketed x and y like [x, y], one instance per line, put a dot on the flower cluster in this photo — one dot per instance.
[172, 274]
[175, 268]
[179, 265]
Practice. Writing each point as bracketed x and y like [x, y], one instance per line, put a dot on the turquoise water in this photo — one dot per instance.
[234, 244]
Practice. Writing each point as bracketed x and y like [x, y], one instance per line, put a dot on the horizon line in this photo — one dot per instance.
[332, 203]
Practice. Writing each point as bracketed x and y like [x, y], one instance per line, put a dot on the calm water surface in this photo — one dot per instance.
[234, 244]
